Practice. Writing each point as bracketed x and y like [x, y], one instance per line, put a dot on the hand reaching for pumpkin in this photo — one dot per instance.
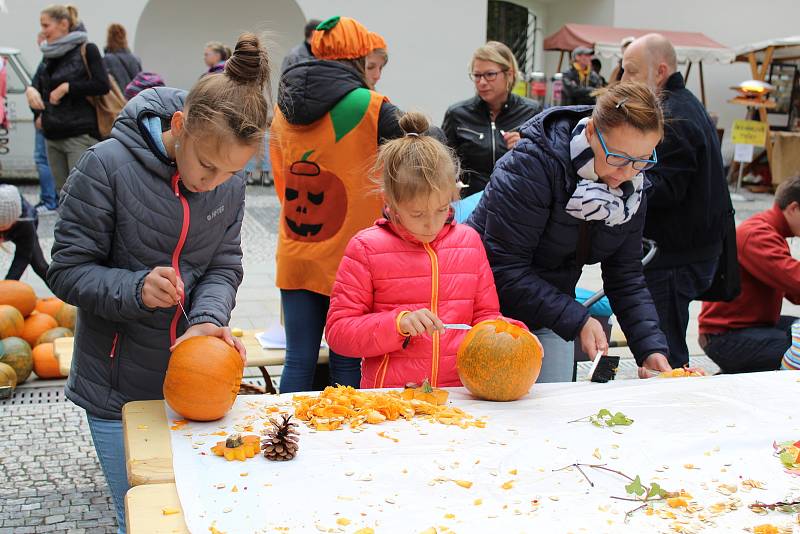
[419, 322]
[593, 338]
[655, 362]
[162, 288]
[210, 329]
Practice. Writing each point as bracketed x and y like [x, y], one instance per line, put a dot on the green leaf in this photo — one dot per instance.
[595, 422]
[603, 413]
[655, 491]
[306, 155]
[349, 111]
[635, 487]
[788, 458]
[620, 419]
[328, 23]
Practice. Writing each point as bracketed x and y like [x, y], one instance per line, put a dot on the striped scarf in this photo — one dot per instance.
[593, 200]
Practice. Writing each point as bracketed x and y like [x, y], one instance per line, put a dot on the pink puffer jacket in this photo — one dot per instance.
[384, 272]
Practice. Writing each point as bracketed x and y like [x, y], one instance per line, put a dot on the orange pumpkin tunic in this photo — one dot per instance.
[323, 178]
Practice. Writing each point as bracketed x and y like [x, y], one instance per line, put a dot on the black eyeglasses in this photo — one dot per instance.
[489, 75]
[621, 160]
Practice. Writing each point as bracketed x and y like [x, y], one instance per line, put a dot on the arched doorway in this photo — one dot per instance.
[171, 34]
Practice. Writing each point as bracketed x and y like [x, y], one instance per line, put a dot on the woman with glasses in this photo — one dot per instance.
[486, 126]
[570, 193]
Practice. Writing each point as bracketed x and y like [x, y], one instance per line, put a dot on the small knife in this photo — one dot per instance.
[458, 326]
[183, 310]
[594, 363]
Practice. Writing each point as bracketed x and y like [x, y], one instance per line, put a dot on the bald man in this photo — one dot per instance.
[689, 201]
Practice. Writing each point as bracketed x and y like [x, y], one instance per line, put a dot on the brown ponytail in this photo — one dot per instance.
[630, 103]
[235, 102]
[61, 12]
[416, 164]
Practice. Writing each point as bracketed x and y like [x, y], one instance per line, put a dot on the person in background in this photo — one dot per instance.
[58, 96]
[148, 246]
[18, 224]
[301, 52]
[597, 66]
[119, 60]
[791, 359]
[376, 60]
[379, 305]
[483, 128]
[749, 334]
[215, 55]
[571, 193]
[580, 80]
[616, 74]
[142, 81]
[323, 142]
[688, 201]
[48, 199]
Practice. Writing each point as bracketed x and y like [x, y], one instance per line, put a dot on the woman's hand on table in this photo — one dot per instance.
[210, 329]
[593, 338]
[654, 365]
[162, 288]
[419, 322]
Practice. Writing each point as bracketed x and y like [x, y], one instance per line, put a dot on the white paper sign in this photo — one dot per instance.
[743, 153]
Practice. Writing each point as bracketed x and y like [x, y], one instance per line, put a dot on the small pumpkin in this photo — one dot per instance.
[425, 393]
[51, 335]
[499, 361]
[35, 326]
[238, 447]
[11, 321]
[16, 352]
[56, 308]
[203, 378]
[18, 294]
[49, 305]
[45, 364]
[8, 381]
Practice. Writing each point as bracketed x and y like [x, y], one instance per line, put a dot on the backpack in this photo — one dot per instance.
[106, 106]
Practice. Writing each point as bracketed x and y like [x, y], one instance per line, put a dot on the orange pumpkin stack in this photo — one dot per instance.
[499, 361]
[203, 378]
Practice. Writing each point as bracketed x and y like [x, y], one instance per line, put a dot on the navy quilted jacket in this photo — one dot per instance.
[122, 214]
[531, 241]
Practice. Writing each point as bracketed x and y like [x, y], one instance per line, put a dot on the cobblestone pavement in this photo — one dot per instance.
[50, 479]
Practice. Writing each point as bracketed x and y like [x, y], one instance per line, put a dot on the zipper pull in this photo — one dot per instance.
[113, 346]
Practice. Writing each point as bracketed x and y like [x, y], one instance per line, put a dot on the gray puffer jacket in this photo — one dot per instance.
[124, 212]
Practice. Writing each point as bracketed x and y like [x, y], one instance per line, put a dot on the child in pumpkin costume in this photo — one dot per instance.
[323, 143]
[414, 270]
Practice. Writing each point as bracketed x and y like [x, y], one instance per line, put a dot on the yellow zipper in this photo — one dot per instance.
[434, 308]
[382, 368]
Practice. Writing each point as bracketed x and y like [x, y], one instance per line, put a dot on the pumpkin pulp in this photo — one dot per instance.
[176, 255]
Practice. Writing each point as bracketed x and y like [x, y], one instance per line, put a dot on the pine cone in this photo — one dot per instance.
[281, 443]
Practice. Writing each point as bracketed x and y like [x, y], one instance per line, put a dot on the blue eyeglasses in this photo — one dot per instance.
[619, 160]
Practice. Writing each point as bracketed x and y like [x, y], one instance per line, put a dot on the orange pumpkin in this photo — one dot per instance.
[16, 352]
[49, 305]
[62, 312]
[45, 364]
[203, 378]
[425, 392]
[18, 294]
[499, 361]
[54, 333]
[238, 447]
[11, 321]
[35, 326]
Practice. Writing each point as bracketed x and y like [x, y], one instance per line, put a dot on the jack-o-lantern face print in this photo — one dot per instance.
[315, 202]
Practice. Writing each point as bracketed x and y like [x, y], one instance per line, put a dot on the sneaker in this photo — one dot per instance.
[42, 209]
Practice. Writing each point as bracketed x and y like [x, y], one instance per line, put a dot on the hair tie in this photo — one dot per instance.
[621, 102]
[412, 134]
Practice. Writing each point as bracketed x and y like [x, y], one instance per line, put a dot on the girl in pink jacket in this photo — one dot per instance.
[415, 270]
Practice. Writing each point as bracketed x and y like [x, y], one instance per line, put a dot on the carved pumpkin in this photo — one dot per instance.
[45, 364]
[425, 393]
[499, 361]
[315, 202]
[16, 352]
[238, 447]
[35, 326]
[18, 294]
[203, 378]
[51, 335]
[11, 321]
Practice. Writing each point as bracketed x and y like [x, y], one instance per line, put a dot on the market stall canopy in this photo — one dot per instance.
[786, 49]
[690, 46]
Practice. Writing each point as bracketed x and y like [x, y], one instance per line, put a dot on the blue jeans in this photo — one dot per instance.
[263, 159]
[47, 184]
[672, 290]
[559, 357]
[750, 350]
[110, 448]
[304, 315]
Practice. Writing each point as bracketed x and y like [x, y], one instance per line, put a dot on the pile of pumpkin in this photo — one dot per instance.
[28, 329]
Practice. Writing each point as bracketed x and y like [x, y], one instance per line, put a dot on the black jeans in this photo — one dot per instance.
[673, 289]
[749, 350]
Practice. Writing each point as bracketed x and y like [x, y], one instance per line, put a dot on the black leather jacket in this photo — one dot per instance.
[477, 140]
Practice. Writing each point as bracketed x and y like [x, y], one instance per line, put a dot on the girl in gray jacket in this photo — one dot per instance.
[151, 218]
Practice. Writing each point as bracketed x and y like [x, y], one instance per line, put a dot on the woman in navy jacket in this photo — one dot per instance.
[569, 194]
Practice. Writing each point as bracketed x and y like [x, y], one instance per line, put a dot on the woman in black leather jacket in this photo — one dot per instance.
[486, 126]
